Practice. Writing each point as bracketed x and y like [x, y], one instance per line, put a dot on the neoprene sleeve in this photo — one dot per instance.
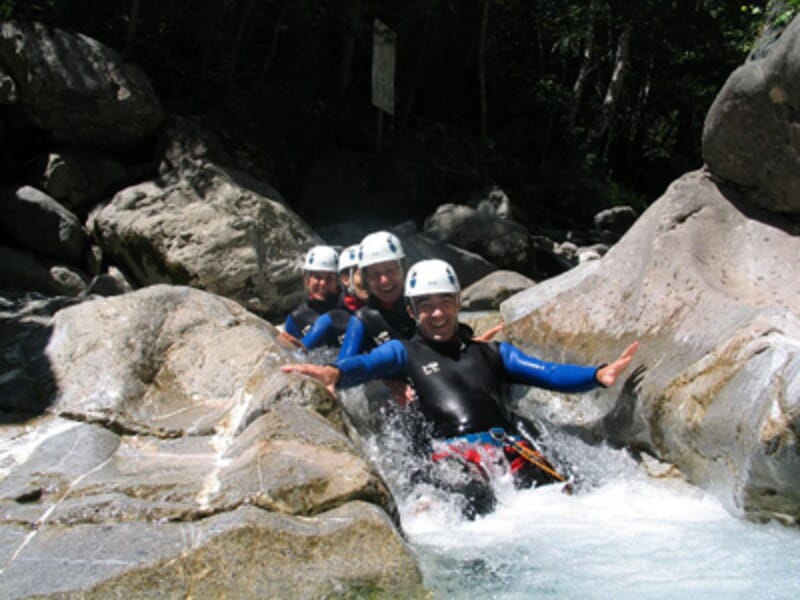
[552, 376]
[290, 327]
[387, 361]
[353, 338]
[317, 333]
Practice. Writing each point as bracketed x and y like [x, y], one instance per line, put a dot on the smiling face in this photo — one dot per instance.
[436, 315]
[385, 281]
[358, 286]
[320, 285]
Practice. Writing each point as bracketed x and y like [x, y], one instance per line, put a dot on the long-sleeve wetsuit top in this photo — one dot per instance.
[300, 320]
[329, 329]
[462, 386]
[376, 324]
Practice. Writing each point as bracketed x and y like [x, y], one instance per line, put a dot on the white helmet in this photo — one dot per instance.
[379, 247]
[431, 277]
[321, 258]
[348, 258]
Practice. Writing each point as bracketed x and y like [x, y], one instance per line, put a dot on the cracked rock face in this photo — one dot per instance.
[174, 457]
[714, 297]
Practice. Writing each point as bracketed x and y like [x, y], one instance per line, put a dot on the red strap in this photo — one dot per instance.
[470, 453]
[352, 303]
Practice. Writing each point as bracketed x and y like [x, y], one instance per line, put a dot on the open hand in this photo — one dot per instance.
[608, 375]
[489, 333]
[325, 374]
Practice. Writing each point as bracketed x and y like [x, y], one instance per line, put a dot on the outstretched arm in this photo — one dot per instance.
[353, 339]
[387, 361]
[559, 376]
[608, 375]
[326, 374]
[489, 334]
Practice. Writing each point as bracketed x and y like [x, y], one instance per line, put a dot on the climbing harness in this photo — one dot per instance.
[532, 456]
[464, 446]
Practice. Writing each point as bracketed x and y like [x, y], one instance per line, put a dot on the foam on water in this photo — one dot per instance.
[622, 535]
[626, 538]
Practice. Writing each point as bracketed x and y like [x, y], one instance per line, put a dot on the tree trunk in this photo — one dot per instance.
[352, 15]
[484, 134]
[238, 42]
[273, 46]
[587, 64]
[414, 84]
[133, 25]
[614, 89]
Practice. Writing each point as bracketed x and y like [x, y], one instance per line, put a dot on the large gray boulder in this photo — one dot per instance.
[750, 135]
[76, 88]
[488, 292]
[212, 228]
[714, 298]
[418, 246]
[503, 242]
[174, 458]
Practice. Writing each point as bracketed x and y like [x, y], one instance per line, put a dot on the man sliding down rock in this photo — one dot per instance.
[462, 387]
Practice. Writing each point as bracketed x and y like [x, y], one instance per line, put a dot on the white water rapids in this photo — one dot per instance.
[622, 535]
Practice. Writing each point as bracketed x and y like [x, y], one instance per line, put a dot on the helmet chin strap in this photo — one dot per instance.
[414, 313]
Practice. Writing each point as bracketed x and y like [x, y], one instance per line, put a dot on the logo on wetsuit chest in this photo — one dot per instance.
[381, 338]
[431, 368]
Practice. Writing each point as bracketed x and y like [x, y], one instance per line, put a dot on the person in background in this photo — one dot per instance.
[381, 260]
[322, 288]
[329, 329]
[353, 296]
[462, 386]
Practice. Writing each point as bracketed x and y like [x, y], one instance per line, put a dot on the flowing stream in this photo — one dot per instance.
[622, 534]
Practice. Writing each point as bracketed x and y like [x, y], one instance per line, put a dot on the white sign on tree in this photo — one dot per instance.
[383, 58]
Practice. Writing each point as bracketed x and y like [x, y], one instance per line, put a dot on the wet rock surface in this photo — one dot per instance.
[713, 297]
[173, 457]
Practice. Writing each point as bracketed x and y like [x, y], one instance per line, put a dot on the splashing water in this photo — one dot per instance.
[622, 535]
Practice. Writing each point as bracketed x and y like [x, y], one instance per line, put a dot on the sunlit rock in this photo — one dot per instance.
[714, 298]
[164, 360]
[246, 553]
[212, 228]
[173, 441]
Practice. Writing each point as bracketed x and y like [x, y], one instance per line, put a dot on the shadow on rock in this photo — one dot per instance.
[27, 384]
[621, 422]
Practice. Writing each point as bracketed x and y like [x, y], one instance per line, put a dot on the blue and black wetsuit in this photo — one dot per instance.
[462, 386]
[462, 391]
[300, 320]
[329, 329]
[375, 324]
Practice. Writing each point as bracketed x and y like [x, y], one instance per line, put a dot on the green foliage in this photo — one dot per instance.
[778, 13]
